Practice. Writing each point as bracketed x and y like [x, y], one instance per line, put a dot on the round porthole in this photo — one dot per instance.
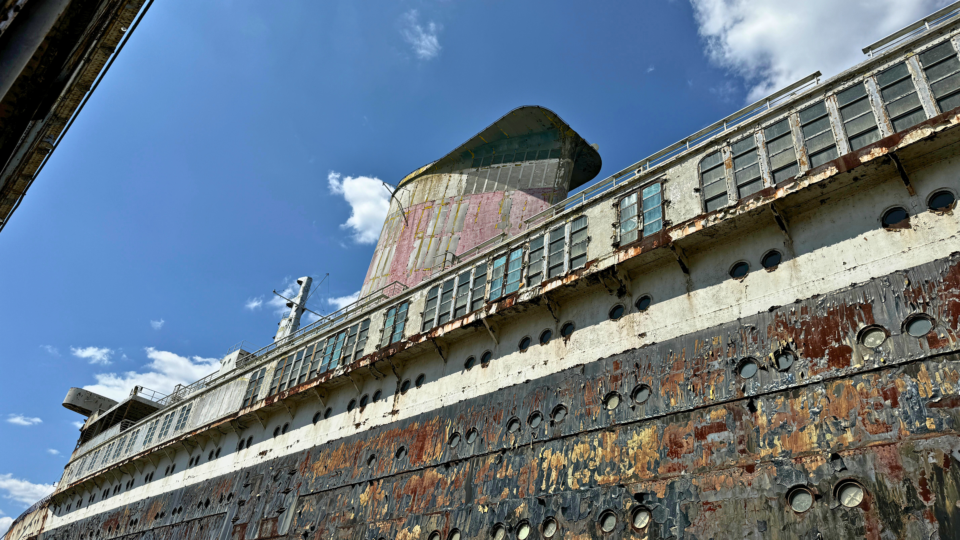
[513, 425]
[611, 401]
[918, 325]
[850, 494]
[249, 441]
[404, 386]
[454, 440]
[454, 535]
[420, 380]
[352, 405]
[546, 336]
[371, 460]
[472, 436]
[640, 518]
[771, 259]
[893, 216]
[739, 270]
[276, 431]
[468, 365]
[435, 535]
[800, 499]
[241, 445]
[872, 337]
[941, 200]
[524, 343]
[499, 532]
[615, 312]
[377, 395]
[485, 358]
[316, 417]
[608, 521]
[535, 419]
[401, 452]
[285, 428]
[523, 530]
[567, 330]
[327, 413]
[783, 359]
[640, 394]
[643, 303]
[218, 453]
[364, 400]
[550, 528]
[558, 414]
[747, 368]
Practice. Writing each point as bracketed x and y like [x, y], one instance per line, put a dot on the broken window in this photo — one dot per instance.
[857, 115]
[780, 151]
[165, 426]
[394, 323]
[479, 286]
[714, 181]
[446, 301]
[746, 166]
[151, 430]
[430, 308]
[818, 134]
[578, 242]
[942, 69]
[535, 266]
[462, 295]
[183, 417]
[900, 97]
[555, 252]
[253, 387]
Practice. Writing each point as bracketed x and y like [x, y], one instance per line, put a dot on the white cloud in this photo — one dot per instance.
[77, 424]
[164, 371]
[369, 204]
[651, 68]
[5, 523]
[53, 452]
[96, 355]
[253, 304]
[773, 43]
[23, 491]
[343, 301]
[51, 350]
[157, 324]
[423, 39]
[22, 420]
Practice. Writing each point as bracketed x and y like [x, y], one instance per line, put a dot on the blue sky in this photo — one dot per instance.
[234, 147]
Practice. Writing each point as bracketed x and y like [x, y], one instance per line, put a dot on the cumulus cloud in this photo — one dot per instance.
[773, 43]
[253, 304]
[22, 420]
[5, 523]
[341, 302]
[369, 203]
[162, 373]
[51, 350]
[77, 424]
[95, 355]
[423, 38]
[23, 491]
[157, 324]
[53, 452]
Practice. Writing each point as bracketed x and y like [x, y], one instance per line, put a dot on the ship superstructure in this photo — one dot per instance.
[752, 333]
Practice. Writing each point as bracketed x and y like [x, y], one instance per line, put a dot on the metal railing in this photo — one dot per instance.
[923, 25]
[152, 395]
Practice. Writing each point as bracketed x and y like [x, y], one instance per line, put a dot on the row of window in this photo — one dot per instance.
[516, 157]
[897, 85]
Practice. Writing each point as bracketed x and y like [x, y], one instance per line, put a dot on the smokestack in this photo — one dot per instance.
[291, 323]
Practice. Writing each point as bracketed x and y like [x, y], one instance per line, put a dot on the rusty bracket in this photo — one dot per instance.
[489, 330]
[374, 369]
[781, 221]
[681, 258]
[320, 397]
[439, 350]
[903, 173]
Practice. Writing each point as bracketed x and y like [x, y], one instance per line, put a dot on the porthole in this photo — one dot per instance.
[316, 417]
[513, 425]
[800, 499]
[546, 336]
[643, 303]
[210, 457]
[276, 431]
[352, 405]
[941, 201]
[894, 216]
[747, 368]
[364, 400]
[850, 493]
[472, 436]
[918, 325]
[435, 535]
[327, 413]
[739, 270]
[615, 312]
[783, 359]
[640, 394]
[524, 343]
[608, 521]
[249, 441]
[550, 528]
[377, 395]
[420, 380]
[218, 452]
[454, 440]
[611, 401]
[499, 532]
[771, 259]
[535, 419]
[454, 535]
[468, 365]
[242, 444]
[371, 460]
[401, 452]
[567, 330]
[285, 428]
[404, 386]
[523, 530]
[558, 414]
[872, 337]
[485, 358]
[640, 518]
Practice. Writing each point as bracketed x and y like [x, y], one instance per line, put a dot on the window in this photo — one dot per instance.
[165, 426]
[555, 250]
[105, 457]
[280, 374]
[430, 309]
[119, 448]
[462, 295]
[780, 151]
[131, 441]
[857, 115]
[333, 351]
[507, 271]
[714, 181]
[151, 429]
[746, 166]
[446, 301]
[900, 97]
[183, 417]
[294, 371]
[652, 209]
[479, 286]
[535, 266]
[818, 134]
[361, 339]
[305, 366]
[393, 324]
[651, 220]
[942, 69]
[253, 387]
[578, 242]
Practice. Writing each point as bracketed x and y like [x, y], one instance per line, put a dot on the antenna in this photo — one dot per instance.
[391, 192]
[291, 303]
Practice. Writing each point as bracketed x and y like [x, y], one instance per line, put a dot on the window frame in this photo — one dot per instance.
[824, 150]
[722, 180]
[793, 147]
[396, 323]
[954, 94]
[641, 213]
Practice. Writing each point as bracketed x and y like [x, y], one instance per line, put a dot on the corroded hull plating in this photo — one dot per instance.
[709, 454]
